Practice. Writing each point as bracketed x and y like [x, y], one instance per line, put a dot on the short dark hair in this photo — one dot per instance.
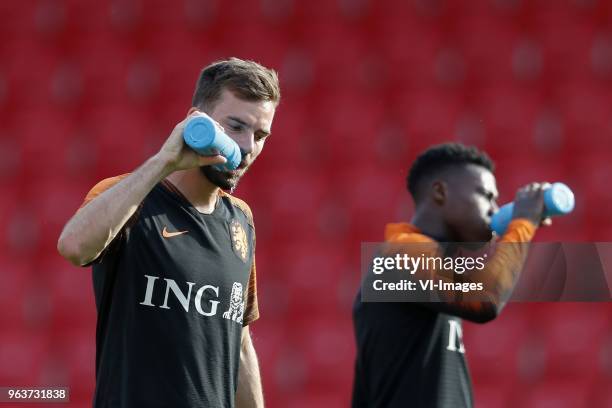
[248, 80]
[437, 158]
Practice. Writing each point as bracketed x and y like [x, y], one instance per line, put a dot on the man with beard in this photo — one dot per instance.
[173, 260]
[412, 353]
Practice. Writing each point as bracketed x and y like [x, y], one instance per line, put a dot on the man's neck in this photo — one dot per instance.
[198, 190]
[431, 225]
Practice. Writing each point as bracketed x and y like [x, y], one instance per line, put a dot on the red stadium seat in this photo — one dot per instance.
[104, 60]
[510, 116]
[294, 139]
[31, 87]
[429, 116]
[22, 354]
[370, 195]
[408, 47]
[71, 298]
[345, 118]
[164, 14]
[566, 41]
[15, 281]
[495, 350]
[75, 353]
[321, 41]
[558, 394]
[487, 44]
[293, 201]
[22, 231]
[515, 171]
[583, 104]
[51, 202]
[328, 352]
[590, 173]
[267, 44]
[602, 397]
[44, 135]
[17, 18]
[9, 204]
[572, 335]
[11, 163]
[316, 10]
[315, 278]
[493, 392]
[123, 133]
[318, 398]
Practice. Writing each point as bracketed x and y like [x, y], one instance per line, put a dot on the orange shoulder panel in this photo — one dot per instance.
[404, 232]
[240, 204]
[101, 187]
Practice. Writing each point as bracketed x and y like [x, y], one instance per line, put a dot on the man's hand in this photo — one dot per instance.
[176, 155]
[529, 204]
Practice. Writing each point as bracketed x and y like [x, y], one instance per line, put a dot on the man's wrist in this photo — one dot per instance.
[163, 164]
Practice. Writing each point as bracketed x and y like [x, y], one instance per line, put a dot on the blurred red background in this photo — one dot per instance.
[89, 89]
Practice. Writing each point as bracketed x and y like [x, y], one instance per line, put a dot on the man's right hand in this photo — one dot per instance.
[176, 155]
[529, 203]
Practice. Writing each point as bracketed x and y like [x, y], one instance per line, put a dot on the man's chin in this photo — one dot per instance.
[478, 239]
[221, 179]
[487, 236]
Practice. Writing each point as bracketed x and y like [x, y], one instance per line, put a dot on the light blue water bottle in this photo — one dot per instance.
[201, 134]
[558, 200]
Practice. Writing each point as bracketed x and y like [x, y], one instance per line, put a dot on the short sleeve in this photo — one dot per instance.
[251, 311]
[98, 189]
[101, 187]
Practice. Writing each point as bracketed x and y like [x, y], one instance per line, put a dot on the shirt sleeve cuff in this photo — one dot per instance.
[520, 230]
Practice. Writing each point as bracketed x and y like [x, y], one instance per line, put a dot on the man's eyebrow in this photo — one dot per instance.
[243, 123]
[235, 119]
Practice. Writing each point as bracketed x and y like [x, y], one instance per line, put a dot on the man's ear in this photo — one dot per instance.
[191, 110]
[439, 191]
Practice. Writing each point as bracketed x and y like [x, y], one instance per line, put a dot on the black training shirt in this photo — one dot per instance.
[173, 292]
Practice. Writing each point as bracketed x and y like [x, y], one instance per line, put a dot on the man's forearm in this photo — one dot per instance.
[498, 276]
[250, 392]
[95, 225]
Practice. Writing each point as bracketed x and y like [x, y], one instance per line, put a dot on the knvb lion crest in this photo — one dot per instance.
[239, 240]
[236, 308]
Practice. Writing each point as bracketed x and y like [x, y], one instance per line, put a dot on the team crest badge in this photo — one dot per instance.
[239, 240]
[236, 308]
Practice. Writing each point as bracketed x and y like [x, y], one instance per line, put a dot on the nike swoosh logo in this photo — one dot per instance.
[167, 234]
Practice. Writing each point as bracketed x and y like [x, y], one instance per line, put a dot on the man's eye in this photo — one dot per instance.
[487, 196]
[235, 128]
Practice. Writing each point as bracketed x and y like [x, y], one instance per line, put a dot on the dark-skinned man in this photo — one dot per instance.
[411, 354]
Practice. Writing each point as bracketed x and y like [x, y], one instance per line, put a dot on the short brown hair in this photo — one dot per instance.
[248, 80]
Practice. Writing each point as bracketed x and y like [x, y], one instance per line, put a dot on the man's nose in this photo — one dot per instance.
[246, 142]
[494, 208]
